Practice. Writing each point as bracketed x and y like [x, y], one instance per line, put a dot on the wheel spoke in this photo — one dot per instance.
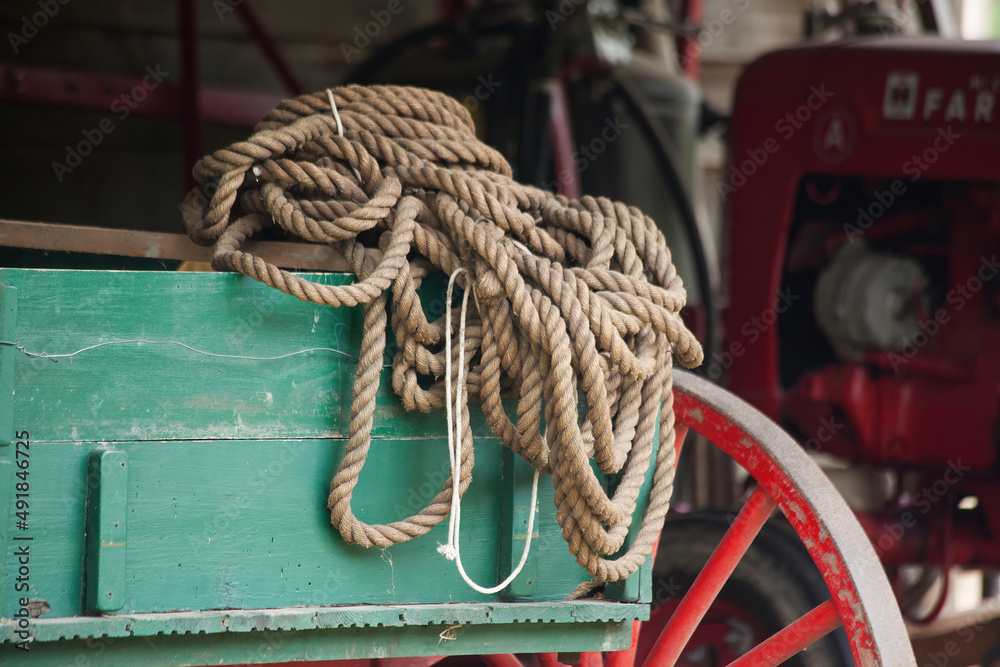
[710, 580]
[784, 644]
[680, 434]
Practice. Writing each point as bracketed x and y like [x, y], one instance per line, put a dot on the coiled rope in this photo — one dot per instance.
[569, 297]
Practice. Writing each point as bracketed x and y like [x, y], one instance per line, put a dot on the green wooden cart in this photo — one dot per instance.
[170, 503]
[166, 444]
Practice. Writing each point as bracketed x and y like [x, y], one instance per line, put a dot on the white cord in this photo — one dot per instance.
[336, 115]
[451, 550]
[340, 126]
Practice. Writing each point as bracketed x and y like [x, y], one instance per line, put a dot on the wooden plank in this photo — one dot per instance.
[186, 394]
[244, 524]
[107, 523]
[159, 245]
[516, 475]
[8, 360]
[270, 646]
[142, 391]
[7, 530]
[222, 621]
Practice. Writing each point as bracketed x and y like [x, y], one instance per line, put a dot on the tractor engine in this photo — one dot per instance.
[867, 300]
[864, 222]
[898, 339]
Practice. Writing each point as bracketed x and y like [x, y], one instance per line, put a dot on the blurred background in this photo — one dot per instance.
[60, 75]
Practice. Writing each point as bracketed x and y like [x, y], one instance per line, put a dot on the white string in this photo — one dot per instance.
[451, 550]
[336, 114]
[56, 357]
[340, 126]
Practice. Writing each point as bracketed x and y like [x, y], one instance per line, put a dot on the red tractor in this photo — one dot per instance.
[864, 309]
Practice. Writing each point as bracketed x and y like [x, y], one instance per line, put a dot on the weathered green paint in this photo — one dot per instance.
[8, 354]
[222, 503]
[515, 494]
[107, 521]
[7, 480]
[243, 524]
[164, 392]
[311, 618]
[265, 636]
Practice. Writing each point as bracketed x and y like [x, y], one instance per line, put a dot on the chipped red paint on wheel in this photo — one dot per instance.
[810, 529]
[860, 592]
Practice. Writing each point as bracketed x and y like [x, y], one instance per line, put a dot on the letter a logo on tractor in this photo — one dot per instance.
[900, 95]
[835, 135]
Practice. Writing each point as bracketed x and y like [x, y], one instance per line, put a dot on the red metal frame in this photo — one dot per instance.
[851, 77]
[561, 128]
[187, 100]
[687, 45]
[775, 487]
[774, 484]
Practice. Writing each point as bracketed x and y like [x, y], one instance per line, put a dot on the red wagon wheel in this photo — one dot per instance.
[861, 599]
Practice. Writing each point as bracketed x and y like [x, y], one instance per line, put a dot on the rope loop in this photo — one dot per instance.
[575, 308]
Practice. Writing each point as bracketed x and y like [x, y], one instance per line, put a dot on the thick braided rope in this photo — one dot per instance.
[573, 300]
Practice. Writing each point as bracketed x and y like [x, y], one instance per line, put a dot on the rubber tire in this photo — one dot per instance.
[776, 581]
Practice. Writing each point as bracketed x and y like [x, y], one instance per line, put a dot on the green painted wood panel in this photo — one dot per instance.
[186, 395]
[516, 509]
[107, 531]
[232, 639]
[149, 392]
[243, 524]
[229, 460]
[324, 618]
[8, 359]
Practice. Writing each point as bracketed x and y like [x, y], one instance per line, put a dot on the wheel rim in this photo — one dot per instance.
[861, 599]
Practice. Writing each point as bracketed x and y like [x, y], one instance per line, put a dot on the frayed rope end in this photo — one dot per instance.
[447, 551]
